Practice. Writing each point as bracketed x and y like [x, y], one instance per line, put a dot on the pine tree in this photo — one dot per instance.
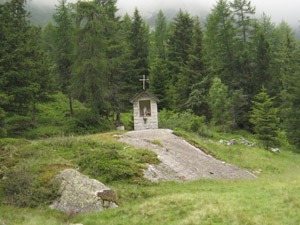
[64, 48]
[24, 71]
[90, 80]
[116, 56]
[138, 50]
[160, 35]
[243, 12]
[264, 119]
[193, 71]
[220, 43]
[159, 73]
[179, 43]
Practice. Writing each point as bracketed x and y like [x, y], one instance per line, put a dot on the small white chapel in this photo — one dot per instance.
[145, 113]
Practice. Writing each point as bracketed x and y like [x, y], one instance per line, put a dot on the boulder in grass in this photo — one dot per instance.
[79, 194]
[275, 150]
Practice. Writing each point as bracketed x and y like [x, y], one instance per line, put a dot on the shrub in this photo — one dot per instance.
[185, 120]
[17, 124]
[85, 121]
[107, 166]
[25, 188]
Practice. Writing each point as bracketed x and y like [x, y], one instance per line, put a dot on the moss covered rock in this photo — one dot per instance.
[79, 194]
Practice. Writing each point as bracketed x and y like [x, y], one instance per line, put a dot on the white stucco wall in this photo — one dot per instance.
[151, 121]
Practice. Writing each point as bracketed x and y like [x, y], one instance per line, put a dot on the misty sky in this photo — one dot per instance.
[288, 10]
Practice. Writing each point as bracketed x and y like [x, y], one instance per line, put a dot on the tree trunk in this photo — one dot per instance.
[71, 106]
[118, 116]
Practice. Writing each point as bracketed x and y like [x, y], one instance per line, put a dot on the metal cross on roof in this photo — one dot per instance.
[144, 82]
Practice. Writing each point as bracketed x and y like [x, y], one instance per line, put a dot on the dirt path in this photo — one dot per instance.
[180, 160]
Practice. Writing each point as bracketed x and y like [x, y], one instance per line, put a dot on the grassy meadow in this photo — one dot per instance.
[272, 198]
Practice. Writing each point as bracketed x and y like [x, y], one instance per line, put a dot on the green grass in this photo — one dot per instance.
[157, 142]
[272, 198]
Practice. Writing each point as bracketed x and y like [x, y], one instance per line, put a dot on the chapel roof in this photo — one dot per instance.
[138, 95]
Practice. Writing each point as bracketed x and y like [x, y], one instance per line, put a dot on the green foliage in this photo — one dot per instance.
[193, 71]
[23, 66]
[63, 42]
[157, 142]
[185, 120]
[264, 119]
[24, 188]
[3, 100]
[86, 121]
[218, 102]
[107, 166]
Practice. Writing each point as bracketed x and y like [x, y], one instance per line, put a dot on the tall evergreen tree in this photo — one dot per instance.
[220, 43]
[193, 71]
[116, 56]
[90, 80]
[159, 73]
[160, 35]
[242, 10]
[179, 43]
[138, 50]
[64, 48]
[22, 65]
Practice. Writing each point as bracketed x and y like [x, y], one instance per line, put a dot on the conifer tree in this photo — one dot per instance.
[264, 119]
[138, 50]
[193, 71]
[64, 48]
[24, 71]
[90, 80]
[160, 35]
[159, 73]
[220, 43]
[243, 12]
[179, 43]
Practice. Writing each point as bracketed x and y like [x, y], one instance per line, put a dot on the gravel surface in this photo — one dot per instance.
[180, 161]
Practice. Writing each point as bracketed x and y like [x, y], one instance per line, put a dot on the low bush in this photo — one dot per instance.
[17, 124]
[186, 121]
[23, 187]
[86, 122]
[108, 165]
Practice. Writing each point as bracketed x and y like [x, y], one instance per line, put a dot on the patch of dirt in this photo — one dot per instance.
[180, 161]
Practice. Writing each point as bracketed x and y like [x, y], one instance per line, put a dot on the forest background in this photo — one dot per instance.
[232, 71]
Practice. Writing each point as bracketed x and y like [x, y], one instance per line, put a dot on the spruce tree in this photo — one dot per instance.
[264, 119]
[193, 71]
[159, 73]
[243, 12]
[179, 44]
[90, 80]
[138, 50]
[64, 48]
[23, 66]
[220, 43]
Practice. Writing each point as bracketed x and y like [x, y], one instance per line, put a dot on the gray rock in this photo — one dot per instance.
[275, 150]
[79, 194]
[121, 128]
[245, 142]
[232, 142]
